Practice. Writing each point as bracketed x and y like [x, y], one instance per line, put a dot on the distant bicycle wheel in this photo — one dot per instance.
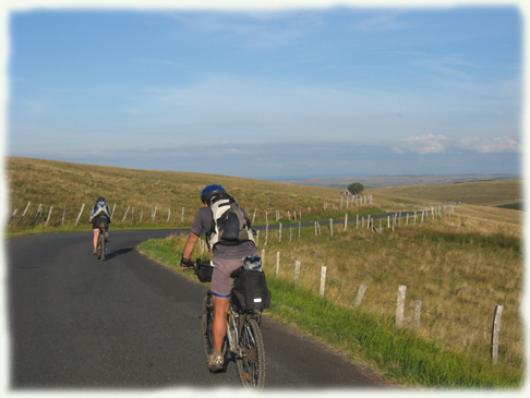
[251, 364]
[102, 246]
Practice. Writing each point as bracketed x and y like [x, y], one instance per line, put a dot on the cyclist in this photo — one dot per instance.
[227, 257]
[100, 217]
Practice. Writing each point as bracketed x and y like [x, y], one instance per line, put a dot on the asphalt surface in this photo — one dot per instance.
[76, 322]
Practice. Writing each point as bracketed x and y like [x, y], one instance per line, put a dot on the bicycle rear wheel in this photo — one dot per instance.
[207, 323]
[102, 246]
[251, 364]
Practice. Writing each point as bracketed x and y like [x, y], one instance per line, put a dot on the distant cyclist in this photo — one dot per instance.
[100, 218]
[230, 237]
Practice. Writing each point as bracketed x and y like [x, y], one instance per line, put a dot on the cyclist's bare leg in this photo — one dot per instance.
[95, 239]
[221, 305]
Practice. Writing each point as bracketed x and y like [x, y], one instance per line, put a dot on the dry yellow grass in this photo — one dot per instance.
[68, 185]
[489, 193]
[459, 272]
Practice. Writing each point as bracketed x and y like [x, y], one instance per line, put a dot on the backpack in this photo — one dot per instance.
[230, 224]
[250, 292]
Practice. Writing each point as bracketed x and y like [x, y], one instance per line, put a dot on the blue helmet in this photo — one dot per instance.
[210, 190]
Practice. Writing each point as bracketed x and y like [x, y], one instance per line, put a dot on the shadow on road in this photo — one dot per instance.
[119, 252]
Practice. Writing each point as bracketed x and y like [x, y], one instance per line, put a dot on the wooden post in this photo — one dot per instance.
[266, 234]
[322, 280]
[356, 221]
[495, 332]
[345, 221]
[277, 263]
[290, 233]
[263, 258]
[80, 213]
[280, 232]
[360, 295]
[299, 228]
[422, 215]
[113, 210]
[168, 214]
[331, 226]
[417, 313]
[141, 214]
[297, 264]
[266, 217]
[153, 216]
[254, 216]
[49, 215]
[182, 215]
[125, 214]
[414, 217]
[25, 210]
[400, 307]
[315, 228]
[407, 219]
[388, 221]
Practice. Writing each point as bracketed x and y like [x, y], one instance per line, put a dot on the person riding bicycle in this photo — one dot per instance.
[228, 255]
[100, 218]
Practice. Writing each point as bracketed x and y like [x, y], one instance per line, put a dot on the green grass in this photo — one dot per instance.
[399, 354]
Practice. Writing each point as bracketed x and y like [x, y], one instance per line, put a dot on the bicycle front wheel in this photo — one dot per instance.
[251, 363]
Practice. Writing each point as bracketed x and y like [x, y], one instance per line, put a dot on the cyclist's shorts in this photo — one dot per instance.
[100, 220]
[221, 281]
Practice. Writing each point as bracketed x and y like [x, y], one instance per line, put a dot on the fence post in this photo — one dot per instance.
[360, 295]
[407, 219]
[417, 313]
[290, 233]
[168, 214]
[331, 226]
[182, 215]
[299, 228]
[125, 214]
[153, 218]
[315, 228]
[280, 232]
[49, 215]
[495, 332]
[277, 263]
[80, 213]
[400, 307]
[141, 215]
[297, 264]
[422, 215]
[345, 221]
[253, 216]
[322, 280]
[356, 221]
[263, 258]
[266, 234]
[25, 210]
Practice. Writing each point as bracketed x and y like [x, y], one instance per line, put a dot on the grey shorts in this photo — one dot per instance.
[221, 281]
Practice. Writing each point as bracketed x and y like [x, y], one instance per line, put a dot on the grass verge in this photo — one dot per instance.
[398, 354]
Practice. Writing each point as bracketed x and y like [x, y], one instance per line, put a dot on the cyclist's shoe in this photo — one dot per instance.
[216, 362]
[94, 252]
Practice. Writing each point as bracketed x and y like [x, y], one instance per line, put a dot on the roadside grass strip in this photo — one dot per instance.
[398, 354]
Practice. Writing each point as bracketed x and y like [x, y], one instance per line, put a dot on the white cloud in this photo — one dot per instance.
[426, 144]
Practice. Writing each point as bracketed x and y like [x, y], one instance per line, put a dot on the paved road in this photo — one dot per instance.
[128, 322]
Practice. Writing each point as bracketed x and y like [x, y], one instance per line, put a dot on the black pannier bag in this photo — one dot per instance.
[204, 272]
[250, 292]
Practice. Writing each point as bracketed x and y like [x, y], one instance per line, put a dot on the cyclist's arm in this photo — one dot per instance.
[188, 247]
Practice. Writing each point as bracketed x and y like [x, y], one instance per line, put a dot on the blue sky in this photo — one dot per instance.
[338, 91]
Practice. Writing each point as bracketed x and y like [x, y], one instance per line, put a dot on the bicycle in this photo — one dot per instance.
[243, 342]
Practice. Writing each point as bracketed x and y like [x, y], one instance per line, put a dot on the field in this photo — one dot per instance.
[459, 265]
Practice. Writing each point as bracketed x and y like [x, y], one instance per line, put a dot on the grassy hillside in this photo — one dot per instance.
[67, 185]
[486, 193]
